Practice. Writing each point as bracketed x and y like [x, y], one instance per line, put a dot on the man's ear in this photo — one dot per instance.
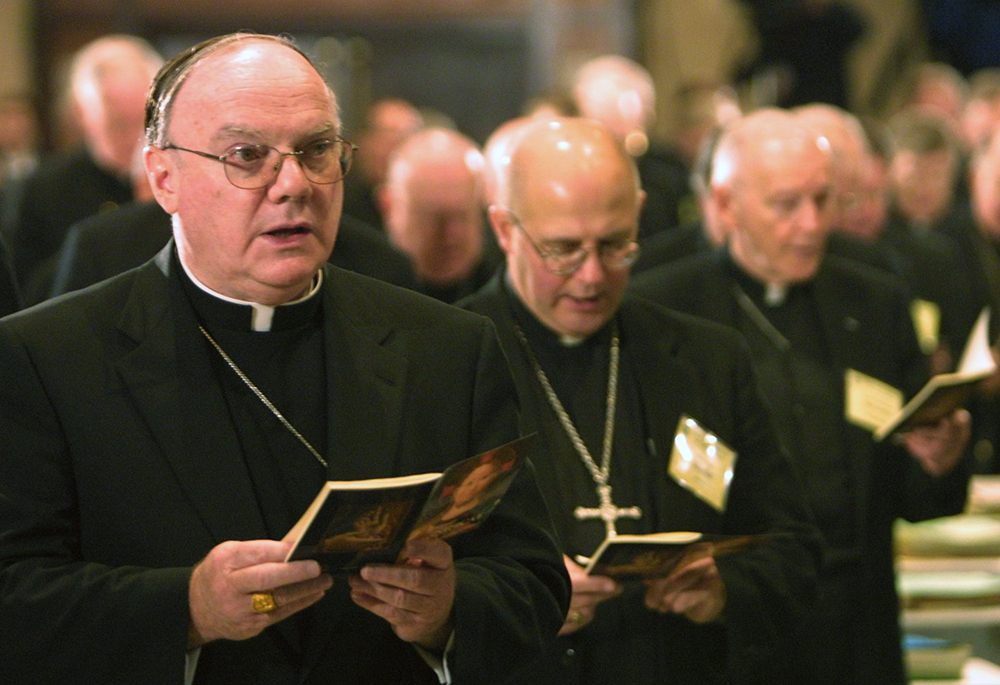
[502, 226]
[161, 171]
[383, 200]
[721, 197]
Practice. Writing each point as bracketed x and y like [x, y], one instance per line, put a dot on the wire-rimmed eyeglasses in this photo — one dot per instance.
[566, 259]
[255, 166]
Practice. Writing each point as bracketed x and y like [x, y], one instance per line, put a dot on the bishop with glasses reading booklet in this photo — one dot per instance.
[164, 429]
[606, 381]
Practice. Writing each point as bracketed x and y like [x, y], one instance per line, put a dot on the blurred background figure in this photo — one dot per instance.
[555, 102]
[803, 49]
[19, 139]
[388, 124]
[982, 110]
[701, 234]
[432, 201]
[107, 88]
[619, 93]
[939, 89]
[923, 167]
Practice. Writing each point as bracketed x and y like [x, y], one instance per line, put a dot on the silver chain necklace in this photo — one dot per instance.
[262, 397]
[607, 511]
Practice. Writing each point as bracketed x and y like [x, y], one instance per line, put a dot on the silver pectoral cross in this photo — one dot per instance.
[607, 512]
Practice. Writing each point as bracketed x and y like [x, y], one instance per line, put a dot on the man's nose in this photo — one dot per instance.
[290, 182]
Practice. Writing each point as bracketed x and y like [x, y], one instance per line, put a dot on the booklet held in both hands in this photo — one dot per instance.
[946, 392]
[657, 555]
[353, 523]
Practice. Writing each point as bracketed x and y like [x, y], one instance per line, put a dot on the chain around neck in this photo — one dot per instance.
[599, 474]
[263, 398]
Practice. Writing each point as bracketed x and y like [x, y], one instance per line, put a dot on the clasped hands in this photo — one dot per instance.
[694, 590]
[415, 597]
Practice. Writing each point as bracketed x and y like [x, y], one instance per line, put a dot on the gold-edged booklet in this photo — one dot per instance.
[357, 522]
[657, 555]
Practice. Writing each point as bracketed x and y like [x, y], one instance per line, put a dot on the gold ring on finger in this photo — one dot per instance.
[262, 602]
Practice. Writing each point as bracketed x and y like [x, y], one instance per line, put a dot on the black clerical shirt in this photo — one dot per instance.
[805, 389]
[287, 364]
[579, 375]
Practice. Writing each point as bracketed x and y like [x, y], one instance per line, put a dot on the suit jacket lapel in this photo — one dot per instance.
[366, 373]
[170, 377]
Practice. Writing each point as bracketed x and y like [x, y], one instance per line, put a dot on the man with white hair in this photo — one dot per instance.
[108, 82]
[835, 350]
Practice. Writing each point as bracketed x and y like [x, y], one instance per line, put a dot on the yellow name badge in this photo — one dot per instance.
[927, 322]
[702, 463]
[869, 403]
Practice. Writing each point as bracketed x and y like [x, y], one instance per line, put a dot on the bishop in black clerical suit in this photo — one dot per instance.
[120, 498]
[164, 429]
[606, 384]
[822, 330]
[671, 366]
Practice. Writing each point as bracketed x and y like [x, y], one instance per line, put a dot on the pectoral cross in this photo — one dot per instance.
[607, 512]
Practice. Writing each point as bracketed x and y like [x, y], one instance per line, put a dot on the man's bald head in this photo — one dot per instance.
[432, 204]
[566, 164]
[566, 216]
[497, 152]
[619, 93]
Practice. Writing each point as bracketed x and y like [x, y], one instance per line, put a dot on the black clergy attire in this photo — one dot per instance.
[670, 365]
[60, 192]
[981, 264]
[131, 449]
[802, 343]
[10, 294]
[933, 269]
[110, 243]
[663, 175]
[669, 246]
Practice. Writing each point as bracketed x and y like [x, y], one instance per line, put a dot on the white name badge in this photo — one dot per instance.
[927, 322]
[702, 463]
[869, 402]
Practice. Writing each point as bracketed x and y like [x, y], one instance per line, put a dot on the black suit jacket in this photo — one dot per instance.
[867, 326]
[110, 243]
[10, 295]
[122, 469]
[59, 193]
[693, 367]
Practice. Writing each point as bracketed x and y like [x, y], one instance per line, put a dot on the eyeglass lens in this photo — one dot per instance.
[255, 166]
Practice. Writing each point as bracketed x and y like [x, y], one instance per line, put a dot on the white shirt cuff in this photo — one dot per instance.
[439, 664]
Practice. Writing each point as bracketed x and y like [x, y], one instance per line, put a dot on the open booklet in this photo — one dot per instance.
[946, 392]
[657, 555]
[357, 522]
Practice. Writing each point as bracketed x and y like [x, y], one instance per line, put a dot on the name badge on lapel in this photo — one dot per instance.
[702, 463]
[927, 323]
[869, 402]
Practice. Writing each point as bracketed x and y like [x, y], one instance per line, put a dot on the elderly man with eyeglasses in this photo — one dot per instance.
[162, 431]
[611, 383]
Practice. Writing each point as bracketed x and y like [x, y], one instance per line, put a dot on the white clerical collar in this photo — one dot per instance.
[261, 315]
[775, 294]
[570, 340]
